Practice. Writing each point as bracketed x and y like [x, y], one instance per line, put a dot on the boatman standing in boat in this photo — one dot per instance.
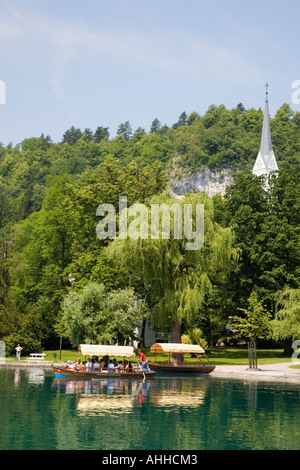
[143, 358]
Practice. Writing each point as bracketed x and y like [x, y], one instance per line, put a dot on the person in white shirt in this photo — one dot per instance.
[18, 352]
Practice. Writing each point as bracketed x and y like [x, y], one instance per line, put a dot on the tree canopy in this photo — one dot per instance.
[93, 316]
[50, 191]
[178, 280]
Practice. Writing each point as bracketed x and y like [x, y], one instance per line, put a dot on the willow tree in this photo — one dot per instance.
[177, 252]
[286, 324]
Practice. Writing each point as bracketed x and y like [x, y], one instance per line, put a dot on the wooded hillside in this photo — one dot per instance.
[50, 192]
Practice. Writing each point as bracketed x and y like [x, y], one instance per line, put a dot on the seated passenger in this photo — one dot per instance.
[174, 361]
[111, 367]
[106, 361]
[120, 367]
[78, 364]
[127, 366]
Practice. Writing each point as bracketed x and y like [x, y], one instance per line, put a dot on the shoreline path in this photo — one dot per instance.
[281, 372]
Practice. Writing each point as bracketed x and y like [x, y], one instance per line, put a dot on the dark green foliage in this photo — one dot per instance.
[101, 133]
[125, 130]
[71, 136]
[51, 230]
[267, 231]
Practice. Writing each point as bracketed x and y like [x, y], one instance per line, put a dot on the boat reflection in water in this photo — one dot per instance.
[114, 397]
[110, 396]
[171, 398]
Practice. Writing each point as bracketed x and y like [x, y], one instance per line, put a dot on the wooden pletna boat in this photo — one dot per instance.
[86, 373]
[174, 366]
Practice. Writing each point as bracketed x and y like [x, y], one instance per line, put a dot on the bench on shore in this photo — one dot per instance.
[36, 357]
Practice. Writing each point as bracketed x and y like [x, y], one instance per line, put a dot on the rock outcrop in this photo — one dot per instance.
[210, 182]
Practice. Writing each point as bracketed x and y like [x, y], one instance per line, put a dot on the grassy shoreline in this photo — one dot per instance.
[218, 356]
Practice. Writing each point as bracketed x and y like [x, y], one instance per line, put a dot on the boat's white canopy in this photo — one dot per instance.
[176, 348]
[106, 350]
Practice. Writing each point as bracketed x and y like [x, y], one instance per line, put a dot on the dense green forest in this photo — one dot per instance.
[59, 280]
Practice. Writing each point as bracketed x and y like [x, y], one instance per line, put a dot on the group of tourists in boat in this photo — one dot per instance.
[104, 364]
[108, 366]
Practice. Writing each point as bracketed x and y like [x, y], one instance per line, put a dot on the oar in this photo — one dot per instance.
[199, 356]
[208, 360]
[141, 368]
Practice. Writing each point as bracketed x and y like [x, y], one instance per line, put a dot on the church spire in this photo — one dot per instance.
[265, 161]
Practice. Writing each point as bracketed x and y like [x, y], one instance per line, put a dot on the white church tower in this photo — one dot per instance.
[265, 161]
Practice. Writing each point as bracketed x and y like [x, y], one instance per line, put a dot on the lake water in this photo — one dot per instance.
[164, 413]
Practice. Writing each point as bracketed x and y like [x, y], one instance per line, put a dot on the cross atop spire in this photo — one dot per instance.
[267, 91]
[265, 161]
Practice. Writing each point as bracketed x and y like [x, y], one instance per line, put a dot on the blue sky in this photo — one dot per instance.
[101, 63]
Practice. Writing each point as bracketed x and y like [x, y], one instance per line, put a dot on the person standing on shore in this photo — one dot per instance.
[18, 352]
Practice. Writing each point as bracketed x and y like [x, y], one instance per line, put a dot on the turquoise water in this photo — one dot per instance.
[165, 413]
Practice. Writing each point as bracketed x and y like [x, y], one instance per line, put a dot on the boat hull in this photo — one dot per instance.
[181, 369]
[61, 372]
